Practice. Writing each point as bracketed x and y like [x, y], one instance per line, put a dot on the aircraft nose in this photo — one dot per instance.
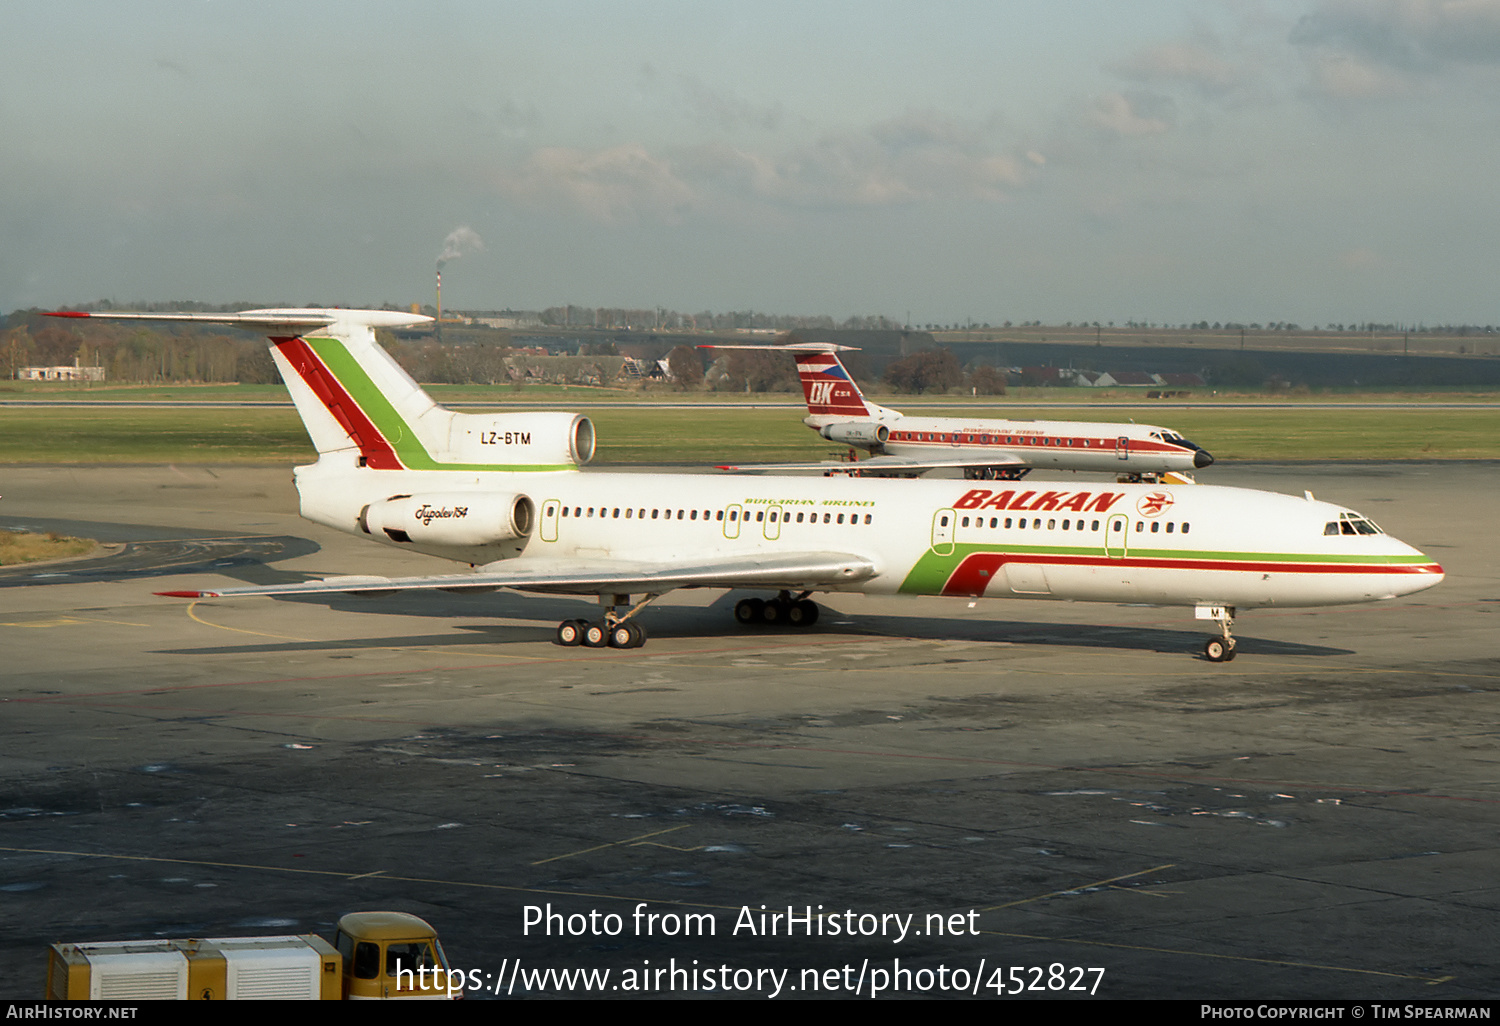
[1202, 458]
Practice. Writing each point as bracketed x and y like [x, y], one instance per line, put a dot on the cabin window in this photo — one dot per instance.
[720, 515]
[627, 514]
[1169, 527]
[1065, 525]
[565, 511]
[643, 514]
[868, 517]
[1051, 525]
[1155, 526]
[760, 515]
[734, 515]
[591, 511]
[617, 513]
[1021, 524]
[1332, 528]
[1007, 523]
[1185, 528]
[1094, 525]
[828, 518]
[841, 518]
[965, 522]
[1140, 526]
[943, 522]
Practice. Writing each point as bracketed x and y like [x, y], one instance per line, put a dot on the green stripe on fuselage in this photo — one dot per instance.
[400, 435]
[932, 571]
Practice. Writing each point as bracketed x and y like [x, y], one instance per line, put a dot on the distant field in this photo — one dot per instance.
[562, 397]
[646, 435]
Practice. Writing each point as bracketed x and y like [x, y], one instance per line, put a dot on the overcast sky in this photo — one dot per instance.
[1308, 160]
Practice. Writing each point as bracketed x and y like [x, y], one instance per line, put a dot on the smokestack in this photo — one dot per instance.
[439, 322]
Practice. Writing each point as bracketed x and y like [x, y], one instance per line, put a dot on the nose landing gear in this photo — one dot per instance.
[1222, 649]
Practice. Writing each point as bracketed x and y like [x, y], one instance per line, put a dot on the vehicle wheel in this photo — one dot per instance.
[570, 633]
[773, 613]
[1234, 647]
[595, 635]
[640, 635]
[748, 611]
[1216, 651]
[803, 613]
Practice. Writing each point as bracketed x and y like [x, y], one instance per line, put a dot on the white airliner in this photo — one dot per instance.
[503, 493]
[984, 449]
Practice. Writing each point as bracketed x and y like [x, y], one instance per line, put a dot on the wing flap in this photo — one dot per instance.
[806, 570]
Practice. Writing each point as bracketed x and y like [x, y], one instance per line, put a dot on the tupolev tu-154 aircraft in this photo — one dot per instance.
[504, 493]
[903, 445]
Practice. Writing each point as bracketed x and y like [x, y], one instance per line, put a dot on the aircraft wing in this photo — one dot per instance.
[792, 571]
[883, 465]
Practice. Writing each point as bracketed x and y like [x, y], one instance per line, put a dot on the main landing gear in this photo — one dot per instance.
[995, 473]
[616, 630]
[1218, 650]
[781, 611]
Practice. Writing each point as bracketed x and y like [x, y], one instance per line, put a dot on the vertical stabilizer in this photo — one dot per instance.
[830, 390]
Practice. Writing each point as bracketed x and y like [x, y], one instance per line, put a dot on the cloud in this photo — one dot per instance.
[916, 157]
[1343, 76]
[1191, 64]
[1420, 36]
[726, 111]
[1117, 114]
[619, 183]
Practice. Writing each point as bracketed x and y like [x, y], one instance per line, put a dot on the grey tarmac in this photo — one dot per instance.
[1316, 819]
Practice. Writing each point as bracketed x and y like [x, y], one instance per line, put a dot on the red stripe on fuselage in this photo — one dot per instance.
[977, 570]
[373, 447]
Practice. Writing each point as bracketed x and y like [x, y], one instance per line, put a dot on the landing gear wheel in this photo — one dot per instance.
[570, 633]
[626, 635]
[773, 613]
[1217, 650]
[595, 635]
[1233, 648]
[803, 613]
[749, 611]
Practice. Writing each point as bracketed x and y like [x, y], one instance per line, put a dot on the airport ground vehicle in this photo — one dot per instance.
[374, 955]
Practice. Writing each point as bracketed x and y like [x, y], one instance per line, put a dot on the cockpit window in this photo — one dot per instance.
[1352, 523]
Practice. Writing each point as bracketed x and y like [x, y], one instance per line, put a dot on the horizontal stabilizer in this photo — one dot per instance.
[789, 347]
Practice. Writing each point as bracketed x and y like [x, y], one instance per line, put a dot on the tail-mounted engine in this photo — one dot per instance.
[460, 519]
[521, 439]
[865, 434]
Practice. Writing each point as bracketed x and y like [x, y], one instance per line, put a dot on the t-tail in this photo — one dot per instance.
[357, 403]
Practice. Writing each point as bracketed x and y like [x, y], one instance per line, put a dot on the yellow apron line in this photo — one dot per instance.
[611, 844]
[1080, 887]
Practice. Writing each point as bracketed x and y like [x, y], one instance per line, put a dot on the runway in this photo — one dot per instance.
[1316, 819]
